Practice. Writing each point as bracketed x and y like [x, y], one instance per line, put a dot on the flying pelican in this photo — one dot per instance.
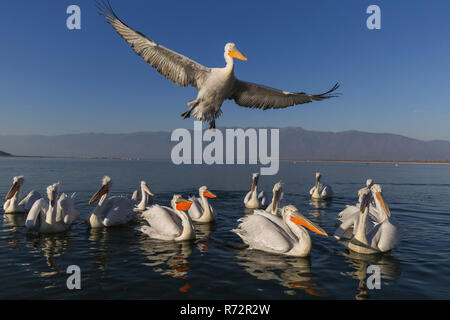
[320, 191]
[274, 206]
[386, 233]
[283, 234]
[214, 85]
[55, 216]
[166, 223]
[253, 200]
[110, 211]
[145, 199]
[201, 210]
[15, 201]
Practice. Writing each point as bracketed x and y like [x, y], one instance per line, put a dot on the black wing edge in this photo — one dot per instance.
[326, 95]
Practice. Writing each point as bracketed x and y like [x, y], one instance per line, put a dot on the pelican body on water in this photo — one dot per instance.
[214, 85]
[15, 201]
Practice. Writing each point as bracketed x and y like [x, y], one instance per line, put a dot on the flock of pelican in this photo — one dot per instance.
[366, 228]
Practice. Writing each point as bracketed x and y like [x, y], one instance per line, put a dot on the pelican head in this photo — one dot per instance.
[105, 188]
[17, 183]
[291, 213]
[180, 204]
[146, 189]
[377, 193]
[204, 192]
[232, 51]
[277, 189]
[369, 183]
[364, 199]
[52, 193]
[255, 178]
[318, 176]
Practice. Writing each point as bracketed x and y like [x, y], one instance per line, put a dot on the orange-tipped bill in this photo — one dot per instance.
[380, 198]
[301, 220]
[103, 190]
[147, 189]
[183, 205]
[209, 194]
[15, 187]
[235, 53]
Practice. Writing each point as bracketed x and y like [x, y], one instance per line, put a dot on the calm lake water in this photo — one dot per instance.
[121, 263]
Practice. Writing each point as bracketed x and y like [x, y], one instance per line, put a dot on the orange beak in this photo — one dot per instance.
[380, 198]
[235, 53]
[300, 220]
[208, 194]
[183, 205]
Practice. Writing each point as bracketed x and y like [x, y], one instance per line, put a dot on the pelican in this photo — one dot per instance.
[354, 210]
[350, 216]
[320, 191]
[253, 200]
[214, 85]
[384, 236]
[166, 223]
[283, 234]
[200, 210]
[110, 211]
[15, 201]
[55, 216]
[274, 206]
[145, 199]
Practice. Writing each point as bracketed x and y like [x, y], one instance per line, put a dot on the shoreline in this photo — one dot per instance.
[443, 162]
[374, 161]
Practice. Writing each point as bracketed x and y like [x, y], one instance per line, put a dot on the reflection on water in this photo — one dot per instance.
[52, 246]
[293, 273]
[99, 249]
[203, 232]
[169, 258]
[319, 206]
[389, 268]
[14, 220]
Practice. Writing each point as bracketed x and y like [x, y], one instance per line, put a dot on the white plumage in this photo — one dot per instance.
[111, 211]
[320, 191]
[53, 216]
[201, 210]
[281, 234]
[170, 224]
[16, 202]
[253, 199]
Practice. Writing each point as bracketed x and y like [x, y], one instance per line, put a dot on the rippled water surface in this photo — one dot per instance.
[122, 263]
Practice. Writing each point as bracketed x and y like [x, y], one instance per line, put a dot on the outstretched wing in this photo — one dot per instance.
[251, 95]
[174, 66]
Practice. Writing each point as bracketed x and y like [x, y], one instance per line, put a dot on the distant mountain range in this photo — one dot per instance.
[295, 144]
[4, 154]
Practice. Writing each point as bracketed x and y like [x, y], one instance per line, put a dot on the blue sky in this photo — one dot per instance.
[55, 81]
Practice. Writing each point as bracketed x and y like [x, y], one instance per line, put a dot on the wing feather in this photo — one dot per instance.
[251, 95]
[172, 65]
